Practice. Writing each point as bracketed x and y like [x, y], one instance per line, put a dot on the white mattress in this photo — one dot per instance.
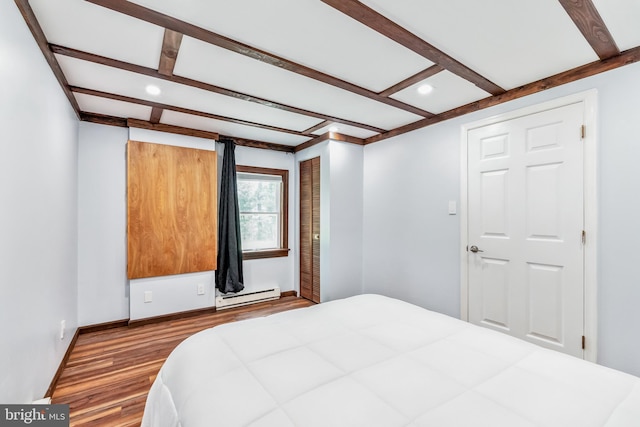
[373, 361]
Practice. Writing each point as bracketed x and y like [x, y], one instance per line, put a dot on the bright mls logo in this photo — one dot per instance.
[34, 415]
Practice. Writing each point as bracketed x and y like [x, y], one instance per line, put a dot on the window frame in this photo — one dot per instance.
[283, 250]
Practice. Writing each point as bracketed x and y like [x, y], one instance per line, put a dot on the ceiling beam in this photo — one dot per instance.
[41, 40]
[372, 19]
[161, 106]
[320, 125]
[252, 143]
[141, 124]
[157, 18]
[160, 127]
[85, 56]
[170, 47]
[168, 56]
[329, 136]
[588, 20]
[103, 119]
[156, 115]
[625, 58]
[416, 78]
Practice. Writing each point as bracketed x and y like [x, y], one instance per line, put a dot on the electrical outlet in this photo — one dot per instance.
[63, 325]
[148, 296]
[200, 288]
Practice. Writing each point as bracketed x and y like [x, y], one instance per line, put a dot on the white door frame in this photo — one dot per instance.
[589, 100]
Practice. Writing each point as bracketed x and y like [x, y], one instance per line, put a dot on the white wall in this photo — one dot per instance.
[103, 291]
[410, 241]
[346, 172]
[411, 245]
[38, 219]
[341, 172]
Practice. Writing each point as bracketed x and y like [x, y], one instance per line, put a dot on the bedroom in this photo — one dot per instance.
[63, 214]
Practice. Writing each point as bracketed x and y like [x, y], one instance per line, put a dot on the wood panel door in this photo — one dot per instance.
[525, 228]
[310, 229]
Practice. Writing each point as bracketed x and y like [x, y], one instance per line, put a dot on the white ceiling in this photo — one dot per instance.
[508, 42]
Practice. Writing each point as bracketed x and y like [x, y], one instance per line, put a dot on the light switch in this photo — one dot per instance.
[148, 296]
[452, 207]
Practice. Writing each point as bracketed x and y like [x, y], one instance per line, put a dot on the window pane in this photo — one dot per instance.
[259, 231]
[262, 196]
[258, 196]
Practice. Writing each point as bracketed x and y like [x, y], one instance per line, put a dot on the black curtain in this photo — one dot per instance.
[229, 273]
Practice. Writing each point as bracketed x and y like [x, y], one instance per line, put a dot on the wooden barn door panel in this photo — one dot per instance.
[171, 210]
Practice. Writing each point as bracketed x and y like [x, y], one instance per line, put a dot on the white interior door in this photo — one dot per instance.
[526, 219]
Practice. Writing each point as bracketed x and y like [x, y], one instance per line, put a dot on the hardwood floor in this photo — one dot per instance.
[109, 373]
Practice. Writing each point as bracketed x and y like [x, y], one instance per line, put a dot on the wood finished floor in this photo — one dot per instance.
[109, 373]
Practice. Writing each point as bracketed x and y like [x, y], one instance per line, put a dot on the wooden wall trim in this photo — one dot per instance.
[141, 124]
[330, 136]
[99, 327]
[102, 119]
[252, 143]
[169, 317]
[62, 365]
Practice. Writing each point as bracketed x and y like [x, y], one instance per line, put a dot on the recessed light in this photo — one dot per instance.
[153, 90]
[425, 89]
[334, 129]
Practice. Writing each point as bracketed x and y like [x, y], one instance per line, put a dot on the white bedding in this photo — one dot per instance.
[373, 361]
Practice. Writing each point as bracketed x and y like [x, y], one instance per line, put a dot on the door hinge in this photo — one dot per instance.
[583, 132]
[584, 342]
[584, 237]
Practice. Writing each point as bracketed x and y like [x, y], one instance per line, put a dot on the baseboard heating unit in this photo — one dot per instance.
[236, 300]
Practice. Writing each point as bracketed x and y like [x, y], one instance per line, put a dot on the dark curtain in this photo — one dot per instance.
[229, 273]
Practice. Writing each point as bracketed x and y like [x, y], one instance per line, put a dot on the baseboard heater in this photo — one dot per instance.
[236, 300]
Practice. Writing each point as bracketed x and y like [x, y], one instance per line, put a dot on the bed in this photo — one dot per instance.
[374, 361]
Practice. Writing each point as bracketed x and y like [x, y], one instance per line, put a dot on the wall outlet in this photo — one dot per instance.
[63, 325]
[148, 296]
[200, 288]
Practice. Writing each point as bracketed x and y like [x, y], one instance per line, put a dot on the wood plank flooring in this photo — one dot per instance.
[109, 373]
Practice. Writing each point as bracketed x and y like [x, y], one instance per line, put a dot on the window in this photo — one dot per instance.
[263, 201]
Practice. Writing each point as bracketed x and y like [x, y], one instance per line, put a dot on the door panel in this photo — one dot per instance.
[494, 206]
[310, 229]
[495, 293]
[525, 201]
[545, 308]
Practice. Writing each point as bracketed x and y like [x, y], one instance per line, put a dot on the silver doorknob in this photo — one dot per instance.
[316, 237]
[475, 249]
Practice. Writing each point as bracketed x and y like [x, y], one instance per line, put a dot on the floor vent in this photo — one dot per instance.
[236, 300]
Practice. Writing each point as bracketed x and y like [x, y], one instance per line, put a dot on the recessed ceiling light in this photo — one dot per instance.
[153, 90]
[425, 89]
[334, 129]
